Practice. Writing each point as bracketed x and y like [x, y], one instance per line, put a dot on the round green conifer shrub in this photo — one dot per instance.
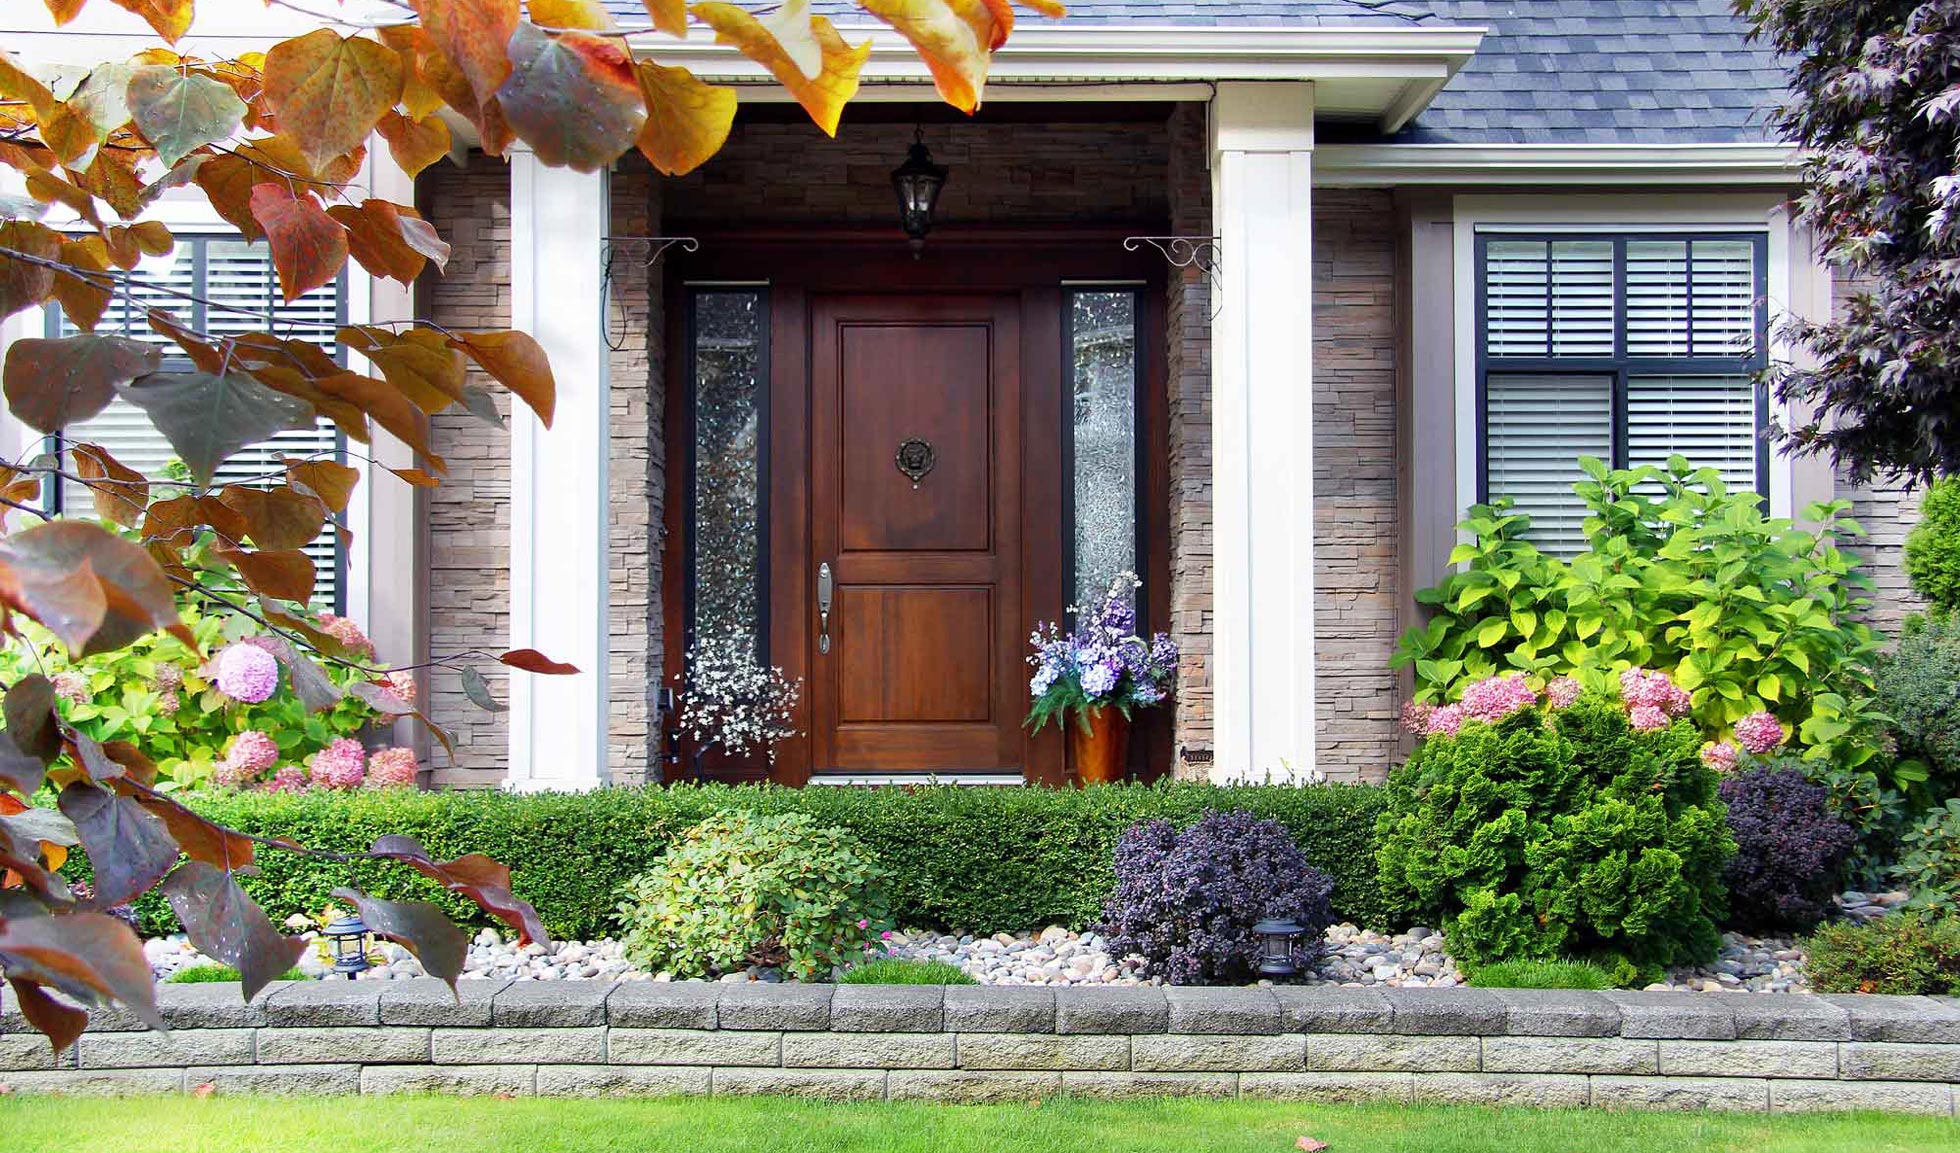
[1560, 833]
[1933, 546]
[743, 888]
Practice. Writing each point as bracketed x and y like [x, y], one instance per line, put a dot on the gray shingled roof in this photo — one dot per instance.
[1549, 71]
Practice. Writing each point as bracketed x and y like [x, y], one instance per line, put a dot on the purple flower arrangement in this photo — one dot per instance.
[1102, 663]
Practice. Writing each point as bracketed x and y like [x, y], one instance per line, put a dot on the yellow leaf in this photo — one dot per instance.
[585, 15]
[669, 16]
[328, 92]
[687, 120]
[519, 364]
[955, 38]
[824, 96]
[170, 18]
[415, 144]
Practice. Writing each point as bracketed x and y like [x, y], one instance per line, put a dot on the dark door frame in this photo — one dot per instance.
[1038, 265]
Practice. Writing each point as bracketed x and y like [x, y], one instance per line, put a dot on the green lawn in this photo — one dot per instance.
[482, 1125]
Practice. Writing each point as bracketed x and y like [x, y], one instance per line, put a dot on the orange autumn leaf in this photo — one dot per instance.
[955, 38]
[669, 16]
[474, 36]
[390, 240]
[519, 364]
[822, 96]
[415, 144]
[328, 91]
[687, 120]
[309, 248]
[584, 15]
[170, 18]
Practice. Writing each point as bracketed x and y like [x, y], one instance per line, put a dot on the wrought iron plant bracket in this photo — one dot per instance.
[651, 248]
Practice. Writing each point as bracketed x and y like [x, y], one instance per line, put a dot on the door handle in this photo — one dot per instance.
[826, 585]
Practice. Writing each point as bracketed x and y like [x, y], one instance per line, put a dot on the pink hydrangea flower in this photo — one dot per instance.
[1494, 698]
[168, 678]
[341, 765]
[247, 673]
[252, 751]
[1640, 687]
[1415, 716]
[347, 633]
[1720, 756]
[1647, 718]
[71, 686]
[392, 768]
[402, 683]
[168, 703]
[1759, 733]
[1561, 692]
[1445, 721]
[289, 779]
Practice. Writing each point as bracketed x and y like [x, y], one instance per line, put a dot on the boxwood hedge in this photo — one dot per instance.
[977, 860]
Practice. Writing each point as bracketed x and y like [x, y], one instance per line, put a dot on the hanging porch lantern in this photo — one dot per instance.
[1276, 940]
[918, 182]
[349, 937]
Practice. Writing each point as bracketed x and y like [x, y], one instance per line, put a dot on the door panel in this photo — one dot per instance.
[922, 672]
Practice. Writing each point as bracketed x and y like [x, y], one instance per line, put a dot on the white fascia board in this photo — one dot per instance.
[1058, 53]
[1377, 165]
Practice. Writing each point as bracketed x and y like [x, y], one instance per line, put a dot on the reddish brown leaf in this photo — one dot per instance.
[24, 284]
[309, 248]
[389, 239]
[417, 926]
[416, 477]
[92, 957]
[418, 361]
[533, 661]
[83, 301]
[95, 591]
[328, 91]
[227, 183]
[415, 144]
[277, 518]
[519, 364]
[120, 493]
[473, 875]
[224, 923]
[201, 839]
[386, 405]
[572, 97]
[31, 720]
[135, 766]
[64, 10]
[687, 120]
[61, 1024]
[94, 759]
[310, 682]
[175, 520]
[52, 384]
[283, 574]
[128, 849]
[473, 36]
[329, 480]
[20, 771]
[113, 176]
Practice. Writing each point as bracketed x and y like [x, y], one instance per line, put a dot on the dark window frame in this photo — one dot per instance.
[691, 508]
[1138, 429]
[1621, 366]
[199, 240]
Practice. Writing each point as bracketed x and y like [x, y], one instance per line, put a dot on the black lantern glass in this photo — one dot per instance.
[918, 182]
[349, 937]
[1276, 939]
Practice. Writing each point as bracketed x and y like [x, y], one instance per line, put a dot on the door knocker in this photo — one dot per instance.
[915, 458]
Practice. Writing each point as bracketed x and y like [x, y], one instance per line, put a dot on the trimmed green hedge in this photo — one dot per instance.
[977, 860]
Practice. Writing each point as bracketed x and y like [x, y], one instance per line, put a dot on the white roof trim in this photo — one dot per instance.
[1365, 165]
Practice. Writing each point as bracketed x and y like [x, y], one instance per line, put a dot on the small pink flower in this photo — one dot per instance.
[1445, 721]
[392, 768]
[341, 765]
[247, 673]
[1720, 756]
[1647, 718]
[887, 934]
[1415, 717]
[347, 633]
[289, 779]
[1639, 687]
[1759, 733]
[71, 686]
[1492, 699]
[1561, 692]
[863, 924]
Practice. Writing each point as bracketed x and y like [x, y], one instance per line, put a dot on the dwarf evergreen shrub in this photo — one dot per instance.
[1565, 834]
[1933, 546]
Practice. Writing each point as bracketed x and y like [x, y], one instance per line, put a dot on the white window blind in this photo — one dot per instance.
[1711, 420]
[231, 275]
[1536, 429]
[1549, 298]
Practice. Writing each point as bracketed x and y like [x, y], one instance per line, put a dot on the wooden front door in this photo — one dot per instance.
[916, 535]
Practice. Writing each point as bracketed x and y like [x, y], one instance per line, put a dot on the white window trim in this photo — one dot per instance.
[1762, 213]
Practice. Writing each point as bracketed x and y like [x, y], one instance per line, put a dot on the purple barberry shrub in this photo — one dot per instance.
[1790, 849]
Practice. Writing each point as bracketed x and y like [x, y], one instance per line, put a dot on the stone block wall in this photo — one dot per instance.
[1768, 1053]
[1187, 321]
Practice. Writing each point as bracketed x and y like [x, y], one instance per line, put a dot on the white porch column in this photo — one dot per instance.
[558, 597]
[1262, 431]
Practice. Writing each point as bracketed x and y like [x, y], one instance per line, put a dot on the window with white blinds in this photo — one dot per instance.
[235, 290]
[1630, 348]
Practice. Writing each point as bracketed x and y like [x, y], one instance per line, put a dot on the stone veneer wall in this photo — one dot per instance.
[1738, 1052]
[1187, 323]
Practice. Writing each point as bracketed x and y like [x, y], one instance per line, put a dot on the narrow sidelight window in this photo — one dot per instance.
[1103, 430]
[725, 504]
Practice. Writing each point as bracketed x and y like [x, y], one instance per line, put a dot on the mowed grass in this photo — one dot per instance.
[736, 1125]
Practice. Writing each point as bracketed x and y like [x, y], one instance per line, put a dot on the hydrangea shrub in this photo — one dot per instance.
[1186, 900]
[743, 888]
[1560, 833]
[1791, 849]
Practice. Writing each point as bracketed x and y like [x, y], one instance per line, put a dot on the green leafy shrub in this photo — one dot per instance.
[1932, 561]
[1918, 685]
[1902, 955]
[1561, 835]
[1542, 975]
[1680, 575]
[1929, 859]
[1877, 816]
[899, 971]
[973, 860]
[215, 974]
[742, 888]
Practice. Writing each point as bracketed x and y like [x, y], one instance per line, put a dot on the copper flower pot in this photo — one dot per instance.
[1099, 750]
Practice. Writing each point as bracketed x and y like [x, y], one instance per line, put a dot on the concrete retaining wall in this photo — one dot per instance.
[1741, 1051]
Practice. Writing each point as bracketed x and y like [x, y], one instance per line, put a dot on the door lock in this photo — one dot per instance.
[825, 587]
